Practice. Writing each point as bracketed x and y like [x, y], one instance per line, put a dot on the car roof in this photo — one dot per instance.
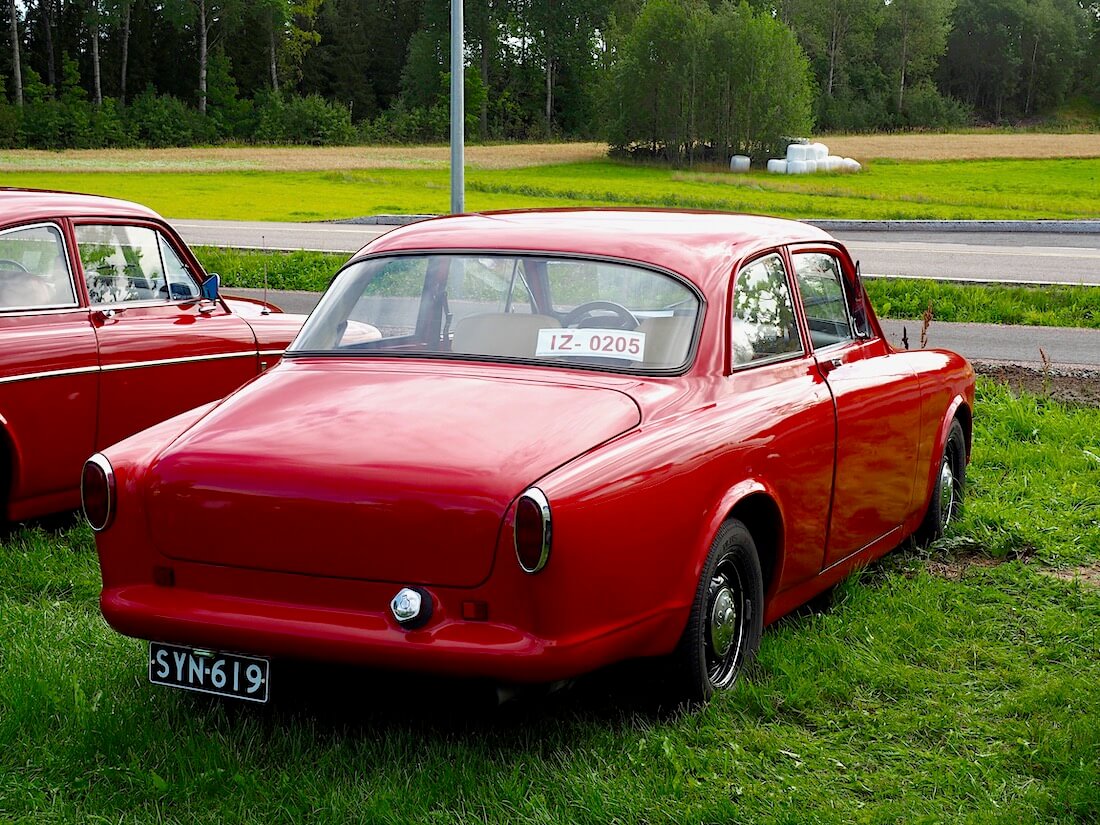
[25, 205]
[703, 246]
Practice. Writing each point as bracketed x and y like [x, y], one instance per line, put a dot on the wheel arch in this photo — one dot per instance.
[755, 505]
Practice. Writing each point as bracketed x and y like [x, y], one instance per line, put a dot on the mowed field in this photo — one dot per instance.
[988, 176]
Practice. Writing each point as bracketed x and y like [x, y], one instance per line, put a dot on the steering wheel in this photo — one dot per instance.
[590, 311]
[7, 263]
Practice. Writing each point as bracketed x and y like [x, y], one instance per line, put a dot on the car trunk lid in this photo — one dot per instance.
[368, 474]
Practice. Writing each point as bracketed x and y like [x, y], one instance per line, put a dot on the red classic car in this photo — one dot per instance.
[524, 445]
[107, 325]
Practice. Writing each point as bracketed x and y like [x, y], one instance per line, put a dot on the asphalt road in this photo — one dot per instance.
[995, 256]
[1066, 348]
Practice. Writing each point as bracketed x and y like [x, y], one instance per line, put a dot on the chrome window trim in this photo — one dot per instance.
[68, 268]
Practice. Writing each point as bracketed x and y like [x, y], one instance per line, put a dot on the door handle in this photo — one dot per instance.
[105, 314]
[831, 364]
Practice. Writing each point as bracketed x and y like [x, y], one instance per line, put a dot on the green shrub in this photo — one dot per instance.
[310, 120]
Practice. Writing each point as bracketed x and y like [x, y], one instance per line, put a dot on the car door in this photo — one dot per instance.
[162, 349]
[877, 399]
[48, 372]
[781, 411]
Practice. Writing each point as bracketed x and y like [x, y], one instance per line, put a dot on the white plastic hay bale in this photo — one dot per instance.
[778, 166]
[796, 167]
[834, 163]
[797, 152]
[811, 167]
[851, 165]
[740, 163]
[819, 151]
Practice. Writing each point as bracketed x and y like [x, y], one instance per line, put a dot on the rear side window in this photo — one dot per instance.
[764, 326]
[34, 271]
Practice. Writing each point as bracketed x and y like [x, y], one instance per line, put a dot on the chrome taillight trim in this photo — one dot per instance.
[538, 497]
[100, 461]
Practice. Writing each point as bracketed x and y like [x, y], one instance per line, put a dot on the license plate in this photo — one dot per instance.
[207, 671]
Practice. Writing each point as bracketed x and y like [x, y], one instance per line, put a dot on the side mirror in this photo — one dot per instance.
[211, 286]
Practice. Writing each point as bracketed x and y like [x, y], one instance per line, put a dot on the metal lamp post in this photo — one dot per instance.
[458, 111]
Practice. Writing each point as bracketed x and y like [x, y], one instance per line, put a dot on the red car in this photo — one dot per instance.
[525, 445]
[108, 324]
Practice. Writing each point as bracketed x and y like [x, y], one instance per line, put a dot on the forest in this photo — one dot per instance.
[679, 79]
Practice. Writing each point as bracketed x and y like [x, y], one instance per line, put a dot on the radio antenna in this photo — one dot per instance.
[263, 244]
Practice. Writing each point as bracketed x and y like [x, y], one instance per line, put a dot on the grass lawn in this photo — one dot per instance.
[916, 698]
[888, 189]
[1061, 306]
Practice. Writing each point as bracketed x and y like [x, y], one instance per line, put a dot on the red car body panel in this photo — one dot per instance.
[76, 379]
[284, 520]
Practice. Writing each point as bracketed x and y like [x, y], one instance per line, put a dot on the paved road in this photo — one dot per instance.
[978, 342]
[997, 256]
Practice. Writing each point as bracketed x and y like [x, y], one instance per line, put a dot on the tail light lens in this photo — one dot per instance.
[97, 492]
[533, 534]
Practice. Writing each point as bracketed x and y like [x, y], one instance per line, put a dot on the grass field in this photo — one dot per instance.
[969, 697]
[1063, 306]
[887, 189]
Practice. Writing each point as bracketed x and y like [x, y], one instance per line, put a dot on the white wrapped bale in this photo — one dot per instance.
[777, 166]
[740, 163]
[834, 163]
[796, 167]
[811, 167]
[819, 151]
[797, 152]
[851, 165]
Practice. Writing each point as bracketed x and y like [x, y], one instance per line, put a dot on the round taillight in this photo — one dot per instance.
[97, 492]
[532, 528]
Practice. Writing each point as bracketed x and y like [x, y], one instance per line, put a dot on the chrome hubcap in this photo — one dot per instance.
[947, 492]
[723, 622]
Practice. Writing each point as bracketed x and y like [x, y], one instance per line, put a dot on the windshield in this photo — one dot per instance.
[563, 311]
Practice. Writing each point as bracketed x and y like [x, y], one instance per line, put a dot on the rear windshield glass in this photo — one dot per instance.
[562, 311]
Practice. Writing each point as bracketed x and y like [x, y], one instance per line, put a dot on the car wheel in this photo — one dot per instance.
[945, 506]
[723, 630]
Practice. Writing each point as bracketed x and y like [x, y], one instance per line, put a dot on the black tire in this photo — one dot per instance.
[945, 505]
[727, 616]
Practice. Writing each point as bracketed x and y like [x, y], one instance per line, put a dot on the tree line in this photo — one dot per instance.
[676, 78]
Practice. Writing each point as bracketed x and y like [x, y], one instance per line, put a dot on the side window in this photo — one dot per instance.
[121, 263]
[821, 283]
[181, 285]
[764, 325]
[34, 271]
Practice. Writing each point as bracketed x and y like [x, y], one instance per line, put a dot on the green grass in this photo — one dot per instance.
[914, 699]
[1011, 189]
[1056, 306]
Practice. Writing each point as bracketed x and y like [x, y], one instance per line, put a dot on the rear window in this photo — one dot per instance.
[568, 312]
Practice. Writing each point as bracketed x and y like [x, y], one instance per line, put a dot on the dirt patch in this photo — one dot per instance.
[1085, 574]
[295, 158]
[1072, 386]
[964, 147]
